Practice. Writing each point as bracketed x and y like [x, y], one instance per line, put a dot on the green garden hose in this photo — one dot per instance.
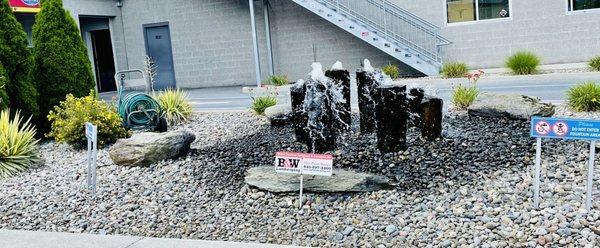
[132, 108]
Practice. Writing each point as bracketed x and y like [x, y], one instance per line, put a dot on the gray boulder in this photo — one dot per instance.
[265, 178]
[513, 106]
[143, 149]
[279, 115]
[278, 111]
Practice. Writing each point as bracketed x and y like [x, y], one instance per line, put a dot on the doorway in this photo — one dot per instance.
[158, 48]
[97, 38]
[104, 61]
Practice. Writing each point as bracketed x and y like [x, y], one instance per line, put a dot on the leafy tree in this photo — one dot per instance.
[14, 55]
[60, 62]
[3, 83]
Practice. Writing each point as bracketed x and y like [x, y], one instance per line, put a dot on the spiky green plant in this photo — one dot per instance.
[523, 63]
[175, 106]
[278, 80]
[17, 144]
[584, 97]
[259, 104]
[392, 71]
[594, 63]
[454, 70]
[463, 97]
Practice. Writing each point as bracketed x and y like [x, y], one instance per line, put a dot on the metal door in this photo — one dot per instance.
[158, 47]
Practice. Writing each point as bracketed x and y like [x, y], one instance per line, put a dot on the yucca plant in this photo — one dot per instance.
[463, 97]
[392, 71]
[584, 97]
[259, 104]
[17, 144]
[175, 106]
[454, 70]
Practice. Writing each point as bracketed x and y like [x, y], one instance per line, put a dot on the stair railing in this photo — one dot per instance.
[396, 24]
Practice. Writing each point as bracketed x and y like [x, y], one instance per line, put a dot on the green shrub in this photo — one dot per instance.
[69, 117]
[594, 63]
[277, 80]
[175, 106]
[14, 56]
[454, 70]
[259, 104]
[60, 62]
[392, 71]
[17, 144]
[4, 102]
[523, 63]
[463, 97]
[584, 97]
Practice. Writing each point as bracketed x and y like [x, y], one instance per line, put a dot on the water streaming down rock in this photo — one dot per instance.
[319, 105]
[340, 78]
[299, 116]
[367, 82]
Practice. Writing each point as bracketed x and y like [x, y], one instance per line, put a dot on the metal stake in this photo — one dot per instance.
[301, 189]
[94, 158]
[268, 37]
[89, 164]
[590, 178]
[536, 182]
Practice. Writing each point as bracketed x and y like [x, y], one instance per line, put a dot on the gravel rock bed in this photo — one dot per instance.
[471, 188]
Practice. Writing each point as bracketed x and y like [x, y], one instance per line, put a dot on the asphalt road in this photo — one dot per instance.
[548, 87]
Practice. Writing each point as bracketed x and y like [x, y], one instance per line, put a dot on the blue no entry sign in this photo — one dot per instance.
[563, 128]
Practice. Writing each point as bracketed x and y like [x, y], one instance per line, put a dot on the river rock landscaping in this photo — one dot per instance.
[470, 188]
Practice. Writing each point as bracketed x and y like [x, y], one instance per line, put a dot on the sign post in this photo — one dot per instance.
[563, 128]
[304, 163]
[91, 133]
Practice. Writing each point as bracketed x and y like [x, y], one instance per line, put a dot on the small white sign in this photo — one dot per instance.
[91, 132]
[304, 163]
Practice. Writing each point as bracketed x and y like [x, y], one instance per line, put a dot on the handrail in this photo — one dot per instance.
[395, 24]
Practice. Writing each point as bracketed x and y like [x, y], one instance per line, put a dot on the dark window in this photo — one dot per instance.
[575, 5]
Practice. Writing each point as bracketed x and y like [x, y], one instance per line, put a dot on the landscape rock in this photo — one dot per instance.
[146, 148]
[513, 106]
[265, 178]
[278, 111]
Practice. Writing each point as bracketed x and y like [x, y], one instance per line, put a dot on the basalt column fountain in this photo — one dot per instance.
[299, 116]
[392, 117]
[340, 78]
[367, 82]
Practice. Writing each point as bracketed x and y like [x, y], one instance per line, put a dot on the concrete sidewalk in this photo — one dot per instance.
[31, 239]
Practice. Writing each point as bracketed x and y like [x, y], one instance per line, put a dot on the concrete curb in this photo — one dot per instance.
[36, 239]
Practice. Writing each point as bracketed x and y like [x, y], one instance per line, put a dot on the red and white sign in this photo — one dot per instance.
[542, 127]
[560, 128]
[304, 163]
[25, 6]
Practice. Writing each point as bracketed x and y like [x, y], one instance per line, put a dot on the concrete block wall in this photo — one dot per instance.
[103, 8]
[540, 26]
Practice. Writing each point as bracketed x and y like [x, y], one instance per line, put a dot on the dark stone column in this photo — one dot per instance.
[366, 105]
[431, 128]
[341, 79]
[392, 118]
[320, 118]
[414, 99]
[299, 116]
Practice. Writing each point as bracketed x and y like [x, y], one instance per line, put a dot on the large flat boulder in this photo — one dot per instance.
[143, 149]
[513, 106]
[265, 178]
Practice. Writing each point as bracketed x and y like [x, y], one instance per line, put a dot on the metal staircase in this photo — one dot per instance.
[388, 27]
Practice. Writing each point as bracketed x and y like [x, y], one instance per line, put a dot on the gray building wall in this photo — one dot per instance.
[540, 26]
[212, 40]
